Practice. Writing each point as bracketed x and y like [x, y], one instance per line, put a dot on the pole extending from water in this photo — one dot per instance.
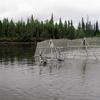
[52, 47]
[86, 45]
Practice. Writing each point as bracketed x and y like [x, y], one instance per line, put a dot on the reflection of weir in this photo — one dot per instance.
[85, 61]
[51, 66]
[84, 65]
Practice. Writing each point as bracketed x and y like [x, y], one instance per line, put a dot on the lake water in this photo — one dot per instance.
[22, 79]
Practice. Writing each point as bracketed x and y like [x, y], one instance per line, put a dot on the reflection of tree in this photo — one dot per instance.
[10, 52]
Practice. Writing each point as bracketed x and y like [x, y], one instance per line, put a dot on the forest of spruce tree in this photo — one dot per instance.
[35, 30]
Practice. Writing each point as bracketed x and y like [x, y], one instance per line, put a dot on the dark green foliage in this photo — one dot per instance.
[35, 30]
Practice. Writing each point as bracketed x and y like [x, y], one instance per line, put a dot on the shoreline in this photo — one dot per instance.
[13, 42]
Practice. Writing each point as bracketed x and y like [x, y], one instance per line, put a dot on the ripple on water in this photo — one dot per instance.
[70, 80]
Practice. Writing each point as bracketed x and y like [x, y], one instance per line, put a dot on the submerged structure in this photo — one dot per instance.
[62, 49]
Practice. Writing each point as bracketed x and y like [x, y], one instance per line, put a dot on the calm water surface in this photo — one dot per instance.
[22, 79]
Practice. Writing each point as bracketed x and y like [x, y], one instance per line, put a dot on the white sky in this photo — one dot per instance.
[42, 9]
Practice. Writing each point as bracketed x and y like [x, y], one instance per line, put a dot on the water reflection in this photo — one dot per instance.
[21, 79]
[84, 65]
[23, 53]
[51, 66]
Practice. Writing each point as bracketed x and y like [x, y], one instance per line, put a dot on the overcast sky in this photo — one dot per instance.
[42, 9]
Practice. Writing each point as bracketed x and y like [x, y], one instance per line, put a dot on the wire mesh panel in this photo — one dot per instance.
[69, 49]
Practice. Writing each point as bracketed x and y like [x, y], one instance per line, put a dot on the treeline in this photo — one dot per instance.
[35, 30]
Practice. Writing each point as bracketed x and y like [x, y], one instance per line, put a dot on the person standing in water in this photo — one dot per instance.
[84, 42]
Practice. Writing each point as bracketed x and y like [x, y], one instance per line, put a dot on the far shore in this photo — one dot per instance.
[6, 42]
